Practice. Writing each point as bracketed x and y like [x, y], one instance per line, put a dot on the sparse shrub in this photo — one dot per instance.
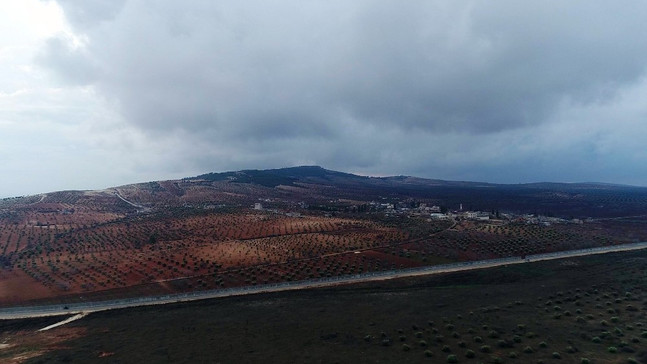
[403, 338]
[422, 343]
[584, 361]
[451, 358]
[528, 350]
[557, 355]
[405, 347]
[470, 354]
[446, 349]
[596, 339]
[478, 339]
[428, 353]
[513, 354]
[543, 344]
[612, 349]
[485, 349]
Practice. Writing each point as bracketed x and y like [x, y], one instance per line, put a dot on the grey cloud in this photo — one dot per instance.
[497, 66]
[73, 64]
[473, 66]
[289, 75]
[86, 14]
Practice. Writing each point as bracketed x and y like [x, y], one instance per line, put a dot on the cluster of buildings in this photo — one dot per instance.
[435, 212]
[440, 213]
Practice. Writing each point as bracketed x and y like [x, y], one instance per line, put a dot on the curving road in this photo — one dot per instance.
[89, 307]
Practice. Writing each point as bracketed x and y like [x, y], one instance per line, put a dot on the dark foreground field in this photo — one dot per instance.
[569, 311]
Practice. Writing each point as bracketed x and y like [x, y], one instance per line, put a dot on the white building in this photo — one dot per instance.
[438, 216]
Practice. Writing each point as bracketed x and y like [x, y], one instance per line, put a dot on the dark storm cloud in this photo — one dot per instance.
[475, 66]
[362, 77]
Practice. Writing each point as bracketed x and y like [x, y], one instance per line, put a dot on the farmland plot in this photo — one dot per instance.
[73, 244]
[196, 251]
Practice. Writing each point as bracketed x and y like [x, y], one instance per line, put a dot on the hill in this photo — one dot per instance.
[255, 227]
[313, 184]
[316, 185]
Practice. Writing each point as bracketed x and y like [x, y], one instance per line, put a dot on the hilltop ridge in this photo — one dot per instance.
[314, 185]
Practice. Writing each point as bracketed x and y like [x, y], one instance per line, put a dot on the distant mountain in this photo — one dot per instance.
[276, 177]
[315, 186]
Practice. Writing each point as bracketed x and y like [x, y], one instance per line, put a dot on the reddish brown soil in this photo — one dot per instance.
[80, 245]
[16, 287]
[50, 256]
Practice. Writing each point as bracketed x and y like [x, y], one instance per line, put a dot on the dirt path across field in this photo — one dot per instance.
[66, 321]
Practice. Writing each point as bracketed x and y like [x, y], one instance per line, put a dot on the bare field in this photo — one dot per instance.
[50, 258]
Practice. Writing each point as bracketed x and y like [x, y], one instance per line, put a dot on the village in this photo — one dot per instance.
[431, 212]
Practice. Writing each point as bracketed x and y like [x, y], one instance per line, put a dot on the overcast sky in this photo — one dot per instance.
[105, 92]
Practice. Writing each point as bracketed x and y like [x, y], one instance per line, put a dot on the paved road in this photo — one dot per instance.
[89, 307]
